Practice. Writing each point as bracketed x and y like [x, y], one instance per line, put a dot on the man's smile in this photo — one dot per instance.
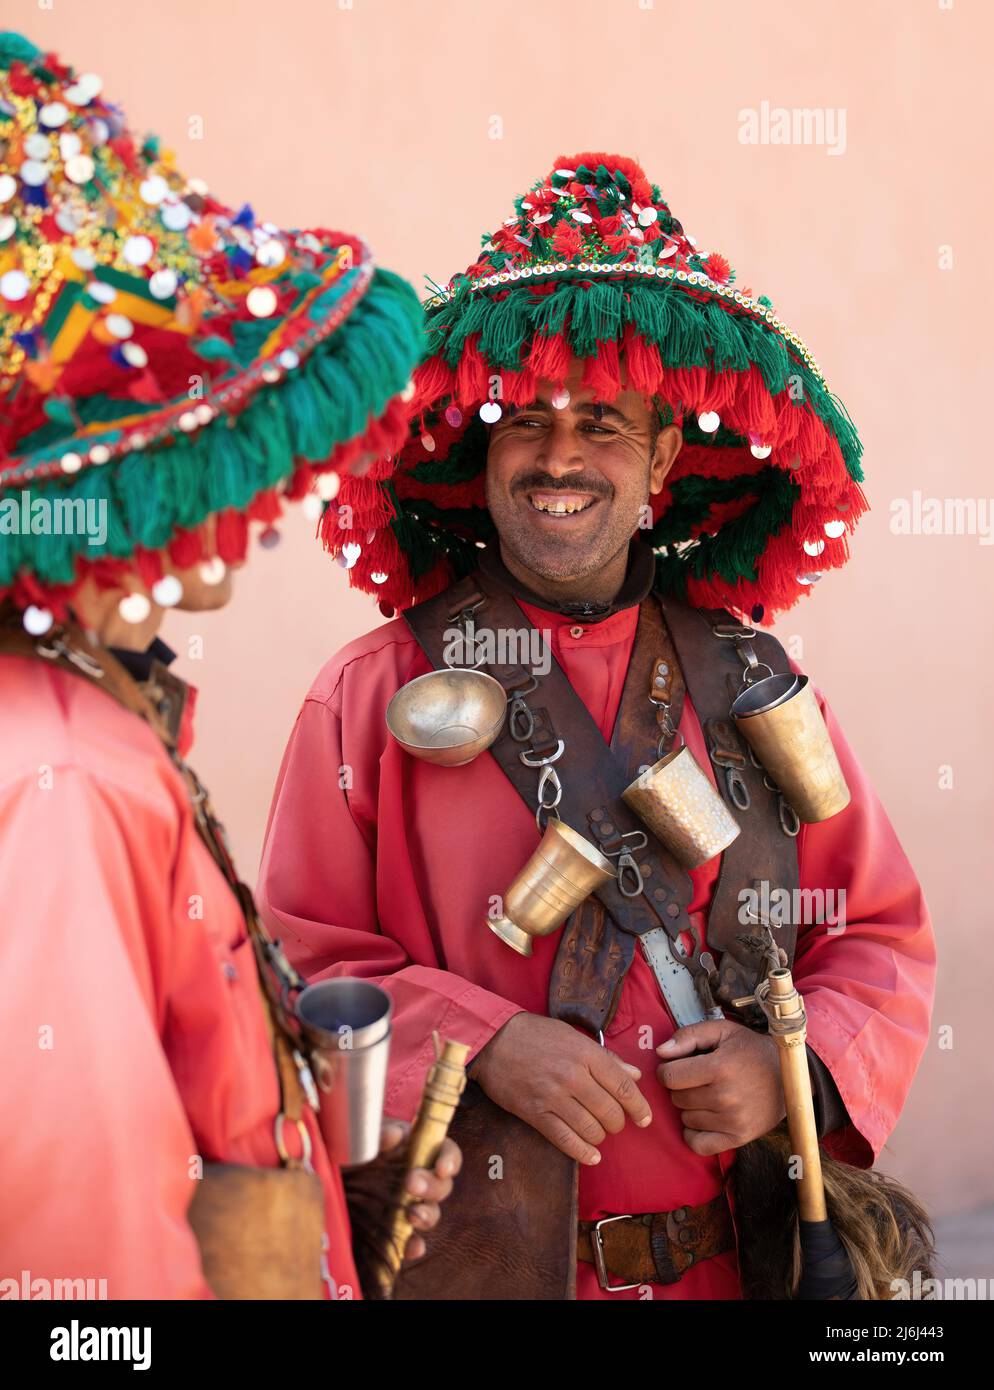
[559, 504]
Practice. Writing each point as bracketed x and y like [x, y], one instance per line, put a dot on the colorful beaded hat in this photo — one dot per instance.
[593, 265]
[161, 355]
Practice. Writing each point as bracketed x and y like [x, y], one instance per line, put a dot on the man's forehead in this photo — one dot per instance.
[627, 405]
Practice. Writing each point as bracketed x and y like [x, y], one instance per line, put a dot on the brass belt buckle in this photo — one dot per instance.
[603, 1277]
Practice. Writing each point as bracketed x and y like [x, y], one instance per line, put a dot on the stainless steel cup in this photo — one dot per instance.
[347, 1024]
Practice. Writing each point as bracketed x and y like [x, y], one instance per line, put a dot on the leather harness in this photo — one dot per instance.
[676, 649]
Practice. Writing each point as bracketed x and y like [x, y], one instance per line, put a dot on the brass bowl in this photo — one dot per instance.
[447, 717]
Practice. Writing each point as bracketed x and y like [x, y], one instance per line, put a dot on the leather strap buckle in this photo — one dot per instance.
[600, 1263]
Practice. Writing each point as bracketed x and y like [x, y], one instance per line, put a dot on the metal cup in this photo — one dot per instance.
[447, 717]
[347, 1024]
[675, 799]
[560, 875]
[783, 724]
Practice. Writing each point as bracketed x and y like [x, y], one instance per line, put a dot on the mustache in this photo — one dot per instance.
[541, 482]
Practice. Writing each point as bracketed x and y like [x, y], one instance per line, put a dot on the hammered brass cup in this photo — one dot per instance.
[560, 875]
[447, 717]
[675, 799]
[784, 726]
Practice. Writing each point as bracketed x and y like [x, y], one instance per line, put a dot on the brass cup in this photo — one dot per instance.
[675, 799]
[560, 875]
[783, 724]
[447, 717]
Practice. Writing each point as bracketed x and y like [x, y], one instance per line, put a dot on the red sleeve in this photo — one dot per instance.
[868, 987]
[97, 1147]
[319, 886]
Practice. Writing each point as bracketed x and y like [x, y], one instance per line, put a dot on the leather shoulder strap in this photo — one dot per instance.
[714, 650]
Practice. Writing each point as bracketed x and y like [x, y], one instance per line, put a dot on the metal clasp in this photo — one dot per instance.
[600, 1263]
[520, 720]
[548, 779]
[627, 865]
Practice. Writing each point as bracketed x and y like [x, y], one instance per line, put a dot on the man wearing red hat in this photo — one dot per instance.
[614, 447]
[170, 371]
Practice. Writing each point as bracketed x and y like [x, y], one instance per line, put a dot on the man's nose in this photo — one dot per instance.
[561, 453]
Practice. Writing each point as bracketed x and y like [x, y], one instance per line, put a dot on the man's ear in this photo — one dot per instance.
[668, 445]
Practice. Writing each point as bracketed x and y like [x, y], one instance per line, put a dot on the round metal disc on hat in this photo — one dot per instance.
[761, 451]
[327, 485]
[647, 216]
[834, 529]
[91, 84]
[77, 95]
[561, 399]
[37, 146]
[379, 576]
[153, 190]
[101, 292]
[138, 250]
[71, 463]
[8, 226]
[69, 144]
[34, 173]
[134, 354]
[67, 221]
[99, 454]
[167, 591]
[490, 412]
[813, 547]
[213, 571]
[709, 421]
[37, 621]
[289, 359]
[579, 216]
[118, 326]
[667, 251]
[99, 131]
[8, 187]
[261, 301]
[14, 285]
[271, 254]
[135, 608]
[53, 114]
[79, 169]
[162, 284]
[453, 416]
[84, 258]
[204, 413]
[176, 217]
[197, 186]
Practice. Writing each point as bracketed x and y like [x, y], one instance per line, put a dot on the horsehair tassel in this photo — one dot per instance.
[444, 1085]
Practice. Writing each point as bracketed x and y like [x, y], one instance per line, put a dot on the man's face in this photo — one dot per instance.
[565, 487]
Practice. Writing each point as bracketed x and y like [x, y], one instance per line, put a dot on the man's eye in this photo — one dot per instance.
[601, 429]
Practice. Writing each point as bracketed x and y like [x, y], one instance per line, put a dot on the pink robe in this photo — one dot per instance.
[134, 1033]
[392, 879]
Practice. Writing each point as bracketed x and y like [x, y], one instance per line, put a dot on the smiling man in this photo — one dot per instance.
[611, 445]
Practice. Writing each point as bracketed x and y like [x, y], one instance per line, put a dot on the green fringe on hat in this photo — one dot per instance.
[686, 331]
[348, 378]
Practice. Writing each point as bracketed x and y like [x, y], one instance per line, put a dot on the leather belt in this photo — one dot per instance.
[655, 1247]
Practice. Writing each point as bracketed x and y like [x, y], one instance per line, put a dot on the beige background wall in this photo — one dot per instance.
[379, 116]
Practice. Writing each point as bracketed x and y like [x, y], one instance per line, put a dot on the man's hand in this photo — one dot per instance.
[430, 1187]
[729, 1094]
[564, 1085]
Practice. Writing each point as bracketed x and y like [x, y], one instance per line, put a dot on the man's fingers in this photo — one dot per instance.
[706, 1121]
[415, 1248]
[392, 1135]
[707, 1143]
[601, 1104]
[428, 1186]
[618, 1082]
[424, 1215]
[449, 1159]
[700, 1098]
[694, 1037]
[704, 1070]
[558, 1132]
